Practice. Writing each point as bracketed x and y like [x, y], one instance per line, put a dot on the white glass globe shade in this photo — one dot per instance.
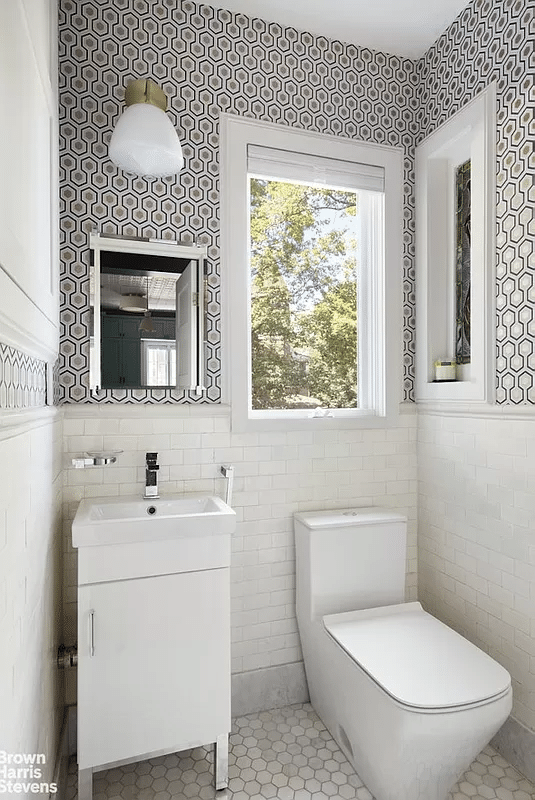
[144, 142]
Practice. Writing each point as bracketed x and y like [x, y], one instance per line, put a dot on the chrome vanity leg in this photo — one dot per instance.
[85, 784]
[220, 762]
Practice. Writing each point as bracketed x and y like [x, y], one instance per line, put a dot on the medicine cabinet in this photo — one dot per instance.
[147, 314]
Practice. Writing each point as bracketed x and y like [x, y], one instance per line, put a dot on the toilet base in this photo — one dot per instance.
[399, 753]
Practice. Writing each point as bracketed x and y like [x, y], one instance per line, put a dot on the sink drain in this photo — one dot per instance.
[151, 510]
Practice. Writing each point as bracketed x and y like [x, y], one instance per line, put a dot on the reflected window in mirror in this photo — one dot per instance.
[158, 362]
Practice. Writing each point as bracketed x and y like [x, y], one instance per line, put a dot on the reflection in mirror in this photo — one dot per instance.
[147, 314]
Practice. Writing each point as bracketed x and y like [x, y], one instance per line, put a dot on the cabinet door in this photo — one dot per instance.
[130, 327]
[131, 363]
[153, 665]
[169, 329]
[110, 326]
[110, 362]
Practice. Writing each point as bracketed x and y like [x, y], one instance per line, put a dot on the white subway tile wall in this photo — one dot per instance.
[476, 538]
[276, 474]
[31, 696]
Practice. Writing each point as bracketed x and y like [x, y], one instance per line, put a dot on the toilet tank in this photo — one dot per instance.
[349, 559]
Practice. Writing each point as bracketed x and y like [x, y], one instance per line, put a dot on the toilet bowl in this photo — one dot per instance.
[409, 700]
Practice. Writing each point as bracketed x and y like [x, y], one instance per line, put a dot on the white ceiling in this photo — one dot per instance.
[404, 27]
[162, 290]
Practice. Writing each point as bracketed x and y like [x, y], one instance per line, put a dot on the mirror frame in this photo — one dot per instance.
[150, 247]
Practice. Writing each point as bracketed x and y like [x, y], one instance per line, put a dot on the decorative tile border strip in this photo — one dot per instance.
[56, 382]
[22, 380]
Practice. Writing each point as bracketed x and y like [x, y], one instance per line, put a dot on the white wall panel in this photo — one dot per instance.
[28, 179]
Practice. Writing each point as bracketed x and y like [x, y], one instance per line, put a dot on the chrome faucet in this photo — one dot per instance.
[151, 476]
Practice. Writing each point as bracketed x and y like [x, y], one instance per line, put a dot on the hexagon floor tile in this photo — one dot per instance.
[286, 754]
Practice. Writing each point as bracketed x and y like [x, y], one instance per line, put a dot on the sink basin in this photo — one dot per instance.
[121, 520]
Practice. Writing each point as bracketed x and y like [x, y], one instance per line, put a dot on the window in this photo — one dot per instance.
[313, 249]
[309, 222]
[158, 362]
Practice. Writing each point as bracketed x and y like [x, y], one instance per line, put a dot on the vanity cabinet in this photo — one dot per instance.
[153, 634]
[150, 669]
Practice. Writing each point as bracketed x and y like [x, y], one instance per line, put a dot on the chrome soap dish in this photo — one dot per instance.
[96, 459]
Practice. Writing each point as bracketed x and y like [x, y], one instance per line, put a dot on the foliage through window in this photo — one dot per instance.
[303, 259]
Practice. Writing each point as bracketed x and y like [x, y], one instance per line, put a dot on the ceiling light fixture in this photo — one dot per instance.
[144, 141]
[146, 324]
[133, 302]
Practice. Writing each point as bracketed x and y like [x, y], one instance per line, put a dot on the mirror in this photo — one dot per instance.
[147, 314]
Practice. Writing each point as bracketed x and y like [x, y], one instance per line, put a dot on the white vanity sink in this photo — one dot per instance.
[122, 520]
[153, 629]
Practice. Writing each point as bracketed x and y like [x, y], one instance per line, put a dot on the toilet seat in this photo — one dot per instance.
[416, 659]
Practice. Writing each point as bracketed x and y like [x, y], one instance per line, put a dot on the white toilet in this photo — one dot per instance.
[409, 701]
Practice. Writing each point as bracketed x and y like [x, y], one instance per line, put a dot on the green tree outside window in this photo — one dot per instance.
[303, 296]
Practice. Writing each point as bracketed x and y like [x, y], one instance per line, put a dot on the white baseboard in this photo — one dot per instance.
[516, 744]
[273, 687]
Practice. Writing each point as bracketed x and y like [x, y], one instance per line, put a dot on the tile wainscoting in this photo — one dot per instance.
[31, 688]
[476, 546]
[276, 475]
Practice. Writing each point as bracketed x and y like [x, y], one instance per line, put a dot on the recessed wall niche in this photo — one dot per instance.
[467, 138]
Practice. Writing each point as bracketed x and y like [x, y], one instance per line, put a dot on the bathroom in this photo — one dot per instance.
[459, 472]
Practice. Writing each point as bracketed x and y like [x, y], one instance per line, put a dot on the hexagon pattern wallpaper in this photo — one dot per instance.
[207, 61]
[492, 40]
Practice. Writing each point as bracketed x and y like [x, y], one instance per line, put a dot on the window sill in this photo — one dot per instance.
[289, 421]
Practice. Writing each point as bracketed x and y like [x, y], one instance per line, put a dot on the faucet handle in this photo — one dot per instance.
[151, 458]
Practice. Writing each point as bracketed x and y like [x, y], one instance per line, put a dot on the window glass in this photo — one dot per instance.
[158, 362]
[304, 264]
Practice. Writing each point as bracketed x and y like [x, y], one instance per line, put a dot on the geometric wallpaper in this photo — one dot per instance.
[207, 61]
[210, 61]
[22, 380]
[493, 41]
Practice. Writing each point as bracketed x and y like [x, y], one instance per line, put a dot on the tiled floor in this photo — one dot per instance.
[285, 754]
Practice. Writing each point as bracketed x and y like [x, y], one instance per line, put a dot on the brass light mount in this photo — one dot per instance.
[145, 90]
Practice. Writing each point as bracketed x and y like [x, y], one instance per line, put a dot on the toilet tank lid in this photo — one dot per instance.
[342, 517]
[417, 659]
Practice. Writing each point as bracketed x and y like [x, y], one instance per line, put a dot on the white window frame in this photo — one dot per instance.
[468, 134]
[385, 318]
[163, 344]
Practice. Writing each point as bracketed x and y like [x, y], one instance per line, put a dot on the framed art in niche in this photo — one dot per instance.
[462, 262]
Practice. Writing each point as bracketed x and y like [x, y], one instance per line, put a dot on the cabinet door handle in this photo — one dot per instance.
[91, 633]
